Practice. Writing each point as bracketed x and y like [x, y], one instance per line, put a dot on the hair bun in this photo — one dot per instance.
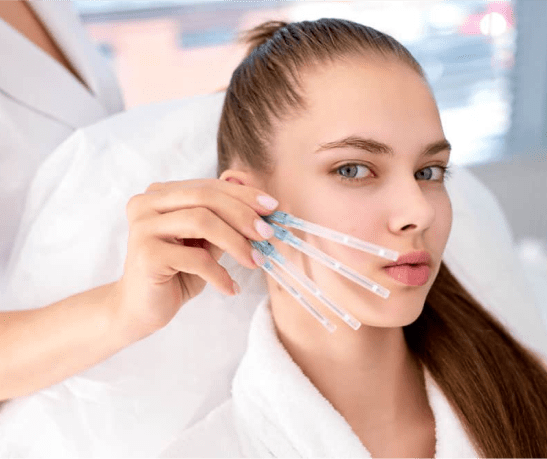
[260, 34]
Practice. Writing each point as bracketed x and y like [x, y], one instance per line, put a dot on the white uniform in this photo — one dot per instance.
[42, 103]
[275, 411]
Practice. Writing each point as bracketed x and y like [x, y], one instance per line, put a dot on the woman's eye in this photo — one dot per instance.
[350, 171]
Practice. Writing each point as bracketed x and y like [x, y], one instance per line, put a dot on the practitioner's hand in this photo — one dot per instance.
[177, 233]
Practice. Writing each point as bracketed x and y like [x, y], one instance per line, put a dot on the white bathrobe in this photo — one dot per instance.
[275, 411]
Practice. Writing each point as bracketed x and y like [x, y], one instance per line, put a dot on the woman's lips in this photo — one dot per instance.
[408, 274]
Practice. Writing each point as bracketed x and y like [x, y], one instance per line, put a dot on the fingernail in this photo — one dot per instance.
[236, 288]
[258, 258]
[268, 202]
[265, 230]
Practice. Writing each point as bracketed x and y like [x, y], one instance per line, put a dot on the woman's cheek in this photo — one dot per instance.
[355, 220]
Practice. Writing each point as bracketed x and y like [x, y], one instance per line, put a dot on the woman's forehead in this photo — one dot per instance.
[387, 100]
[388, 87]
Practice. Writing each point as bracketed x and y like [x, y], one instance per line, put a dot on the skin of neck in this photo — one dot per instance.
[368, 375]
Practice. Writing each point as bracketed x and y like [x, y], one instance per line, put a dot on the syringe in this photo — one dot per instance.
[286, 219]
[268, 250]
[286, 236]
[272, 271]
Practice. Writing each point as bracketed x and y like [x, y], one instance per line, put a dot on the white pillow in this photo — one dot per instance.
[74, 237]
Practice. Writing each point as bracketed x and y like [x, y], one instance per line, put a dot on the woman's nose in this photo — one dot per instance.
[413, 209]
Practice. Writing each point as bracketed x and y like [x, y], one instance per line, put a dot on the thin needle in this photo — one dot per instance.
[286, 219]
[269, 251]
[286, 236]
[272, 271]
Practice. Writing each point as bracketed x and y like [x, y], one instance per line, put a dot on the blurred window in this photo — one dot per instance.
[211, 37]
[172, 49]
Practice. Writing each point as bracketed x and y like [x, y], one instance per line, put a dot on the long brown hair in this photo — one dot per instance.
[496, 385]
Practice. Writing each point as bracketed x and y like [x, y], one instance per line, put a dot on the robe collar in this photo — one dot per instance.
[280, 413]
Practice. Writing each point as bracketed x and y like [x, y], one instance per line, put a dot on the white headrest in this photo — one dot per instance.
[74, 237]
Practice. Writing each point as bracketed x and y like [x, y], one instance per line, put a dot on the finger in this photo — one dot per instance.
[239, 217]
[201, 223]
[210, 193]
[216, 252]
[238, 214]
[168, 259]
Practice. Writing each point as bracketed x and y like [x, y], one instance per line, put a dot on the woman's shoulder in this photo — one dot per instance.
[213, 436]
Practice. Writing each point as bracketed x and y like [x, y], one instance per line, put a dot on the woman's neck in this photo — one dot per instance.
[368, 375]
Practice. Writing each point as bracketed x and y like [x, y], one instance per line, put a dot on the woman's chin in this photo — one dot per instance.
[375, 311]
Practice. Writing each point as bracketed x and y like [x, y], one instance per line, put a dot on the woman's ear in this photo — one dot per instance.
[240, 177]
[234, 180]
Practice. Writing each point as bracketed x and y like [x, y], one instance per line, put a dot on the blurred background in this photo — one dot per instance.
[170, 49]
[486, 61]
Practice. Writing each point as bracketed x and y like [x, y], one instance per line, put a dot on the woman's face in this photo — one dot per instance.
[396, 200]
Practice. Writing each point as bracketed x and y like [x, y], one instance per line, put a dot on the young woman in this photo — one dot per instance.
[336, 120]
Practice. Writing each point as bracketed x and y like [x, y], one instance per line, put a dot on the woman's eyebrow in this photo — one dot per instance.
[373, 146]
